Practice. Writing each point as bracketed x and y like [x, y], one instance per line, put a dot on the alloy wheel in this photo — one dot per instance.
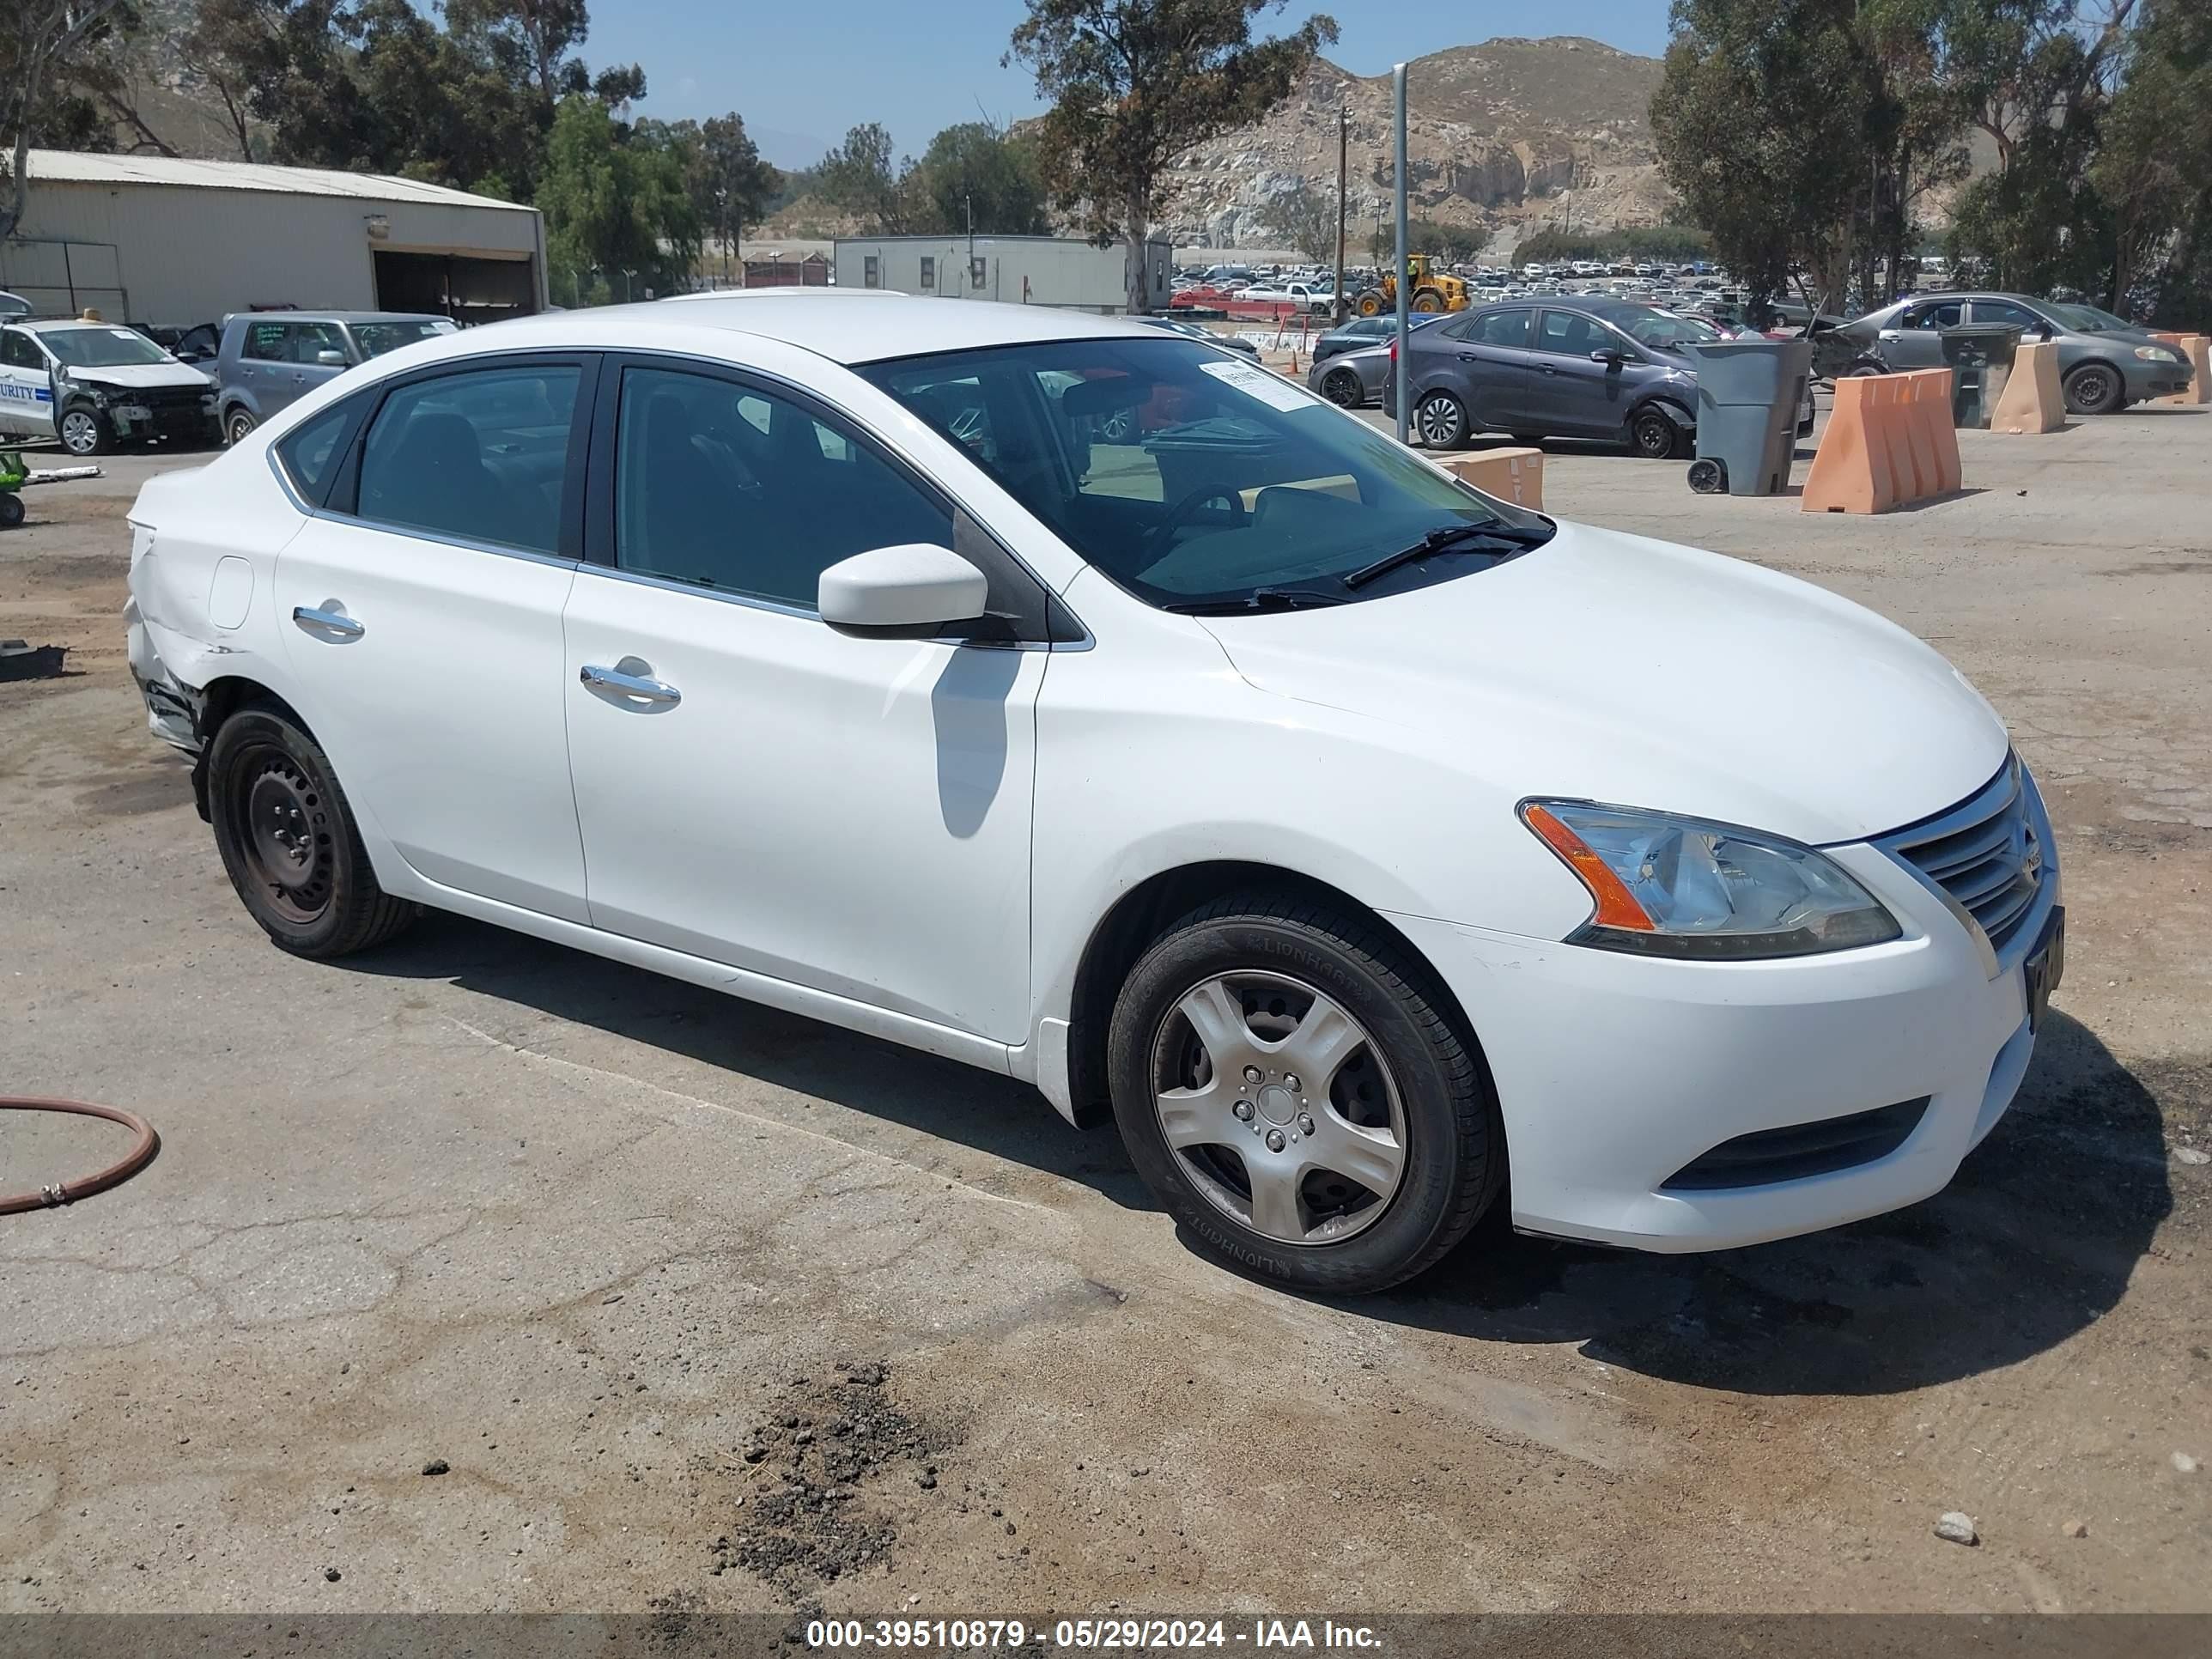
[80, 432]
[1342, 389]
[239, 424]
[1280, 1107]
[1439, 420]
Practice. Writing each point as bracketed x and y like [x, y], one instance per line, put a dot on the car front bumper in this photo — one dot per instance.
[1616, 1073]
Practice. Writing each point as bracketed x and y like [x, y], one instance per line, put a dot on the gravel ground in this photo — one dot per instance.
[698, 1306]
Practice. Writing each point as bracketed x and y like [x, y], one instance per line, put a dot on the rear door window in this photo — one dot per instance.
[476, 455]
[1509, 329]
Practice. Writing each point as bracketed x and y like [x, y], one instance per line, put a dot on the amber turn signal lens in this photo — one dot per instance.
[1616, 905]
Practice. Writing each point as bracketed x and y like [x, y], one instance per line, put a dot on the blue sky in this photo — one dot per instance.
[802, 73]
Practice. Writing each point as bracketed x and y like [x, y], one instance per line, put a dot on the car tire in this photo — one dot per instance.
[2094, 389]
[83, 433]
[1341, 387]
[1653, 436]
[1405, 1096]
[11, 509]
[237, 424]
[1861, 371]
[289, 841]
[1440, 421]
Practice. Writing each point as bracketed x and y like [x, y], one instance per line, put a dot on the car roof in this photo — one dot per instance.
[334, 317]
[888, 326]
[61, 325]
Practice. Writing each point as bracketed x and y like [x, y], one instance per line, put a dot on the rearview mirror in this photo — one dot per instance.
[912, 586]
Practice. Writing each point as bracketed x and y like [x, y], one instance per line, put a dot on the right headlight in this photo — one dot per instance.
[1670, 886]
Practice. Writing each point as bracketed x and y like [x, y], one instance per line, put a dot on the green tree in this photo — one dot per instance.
[1304, 216]
[1136, 83]
[861, 178]
[620, 219]
[40, 44]
[730, 184]
[977, 168]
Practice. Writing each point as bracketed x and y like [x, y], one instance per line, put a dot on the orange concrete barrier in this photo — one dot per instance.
[2032, 400]
[1511, 474]
[1889, 440]
[2197, 348]
[1934, 392]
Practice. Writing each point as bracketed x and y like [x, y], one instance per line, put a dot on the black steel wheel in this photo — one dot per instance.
[2094, 389]
[288, 839]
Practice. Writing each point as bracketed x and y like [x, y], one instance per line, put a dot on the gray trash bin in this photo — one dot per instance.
[1748, 395]
[1979, 356]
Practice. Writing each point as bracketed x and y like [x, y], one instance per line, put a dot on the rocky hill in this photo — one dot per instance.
[1509, 136]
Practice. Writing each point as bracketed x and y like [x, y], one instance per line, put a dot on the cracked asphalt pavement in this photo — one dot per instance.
[588, 1239]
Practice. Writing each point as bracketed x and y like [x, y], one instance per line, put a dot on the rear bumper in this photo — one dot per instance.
[1615, 1073]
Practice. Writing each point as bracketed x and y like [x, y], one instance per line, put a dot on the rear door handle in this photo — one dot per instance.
[643, 689]
[311, 618]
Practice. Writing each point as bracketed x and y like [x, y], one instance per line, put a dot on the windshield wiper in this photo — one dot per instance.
[1259, 599]
[1453, 539]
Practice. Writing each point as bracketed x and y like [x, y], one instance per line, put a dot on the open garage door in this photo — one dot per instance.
[456, 285]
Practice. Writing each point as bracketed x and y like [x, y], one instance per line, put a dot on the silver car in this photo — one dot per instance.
[2105, 363]
[1353, 380]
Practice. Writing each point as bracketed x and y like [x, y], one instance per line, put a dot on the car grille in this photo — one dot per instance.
[1985, 854]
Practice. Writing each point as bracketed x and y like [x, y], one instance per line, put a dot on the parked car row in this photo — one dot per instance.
[1588, 367]
[94, 386]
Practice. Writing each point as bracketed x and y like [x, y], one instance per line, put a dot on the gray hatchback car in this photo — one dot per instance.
[2105, 363]
[269, 359]
[1574, 367]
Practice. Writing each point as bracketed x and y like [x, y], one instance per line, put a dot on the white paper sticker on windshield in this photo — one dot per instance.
[1272, 390]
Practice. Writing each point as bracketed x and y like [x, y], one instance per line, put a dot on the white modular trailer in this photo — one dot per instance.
[157, 240]
[1038, 270]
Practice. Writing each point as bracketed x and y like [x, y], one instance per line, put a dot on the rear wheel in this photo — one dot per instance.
[11, 509]
[1440, 419]
[2094, 389]
[1428, 299]
[1341, 387]
[1290, 1088]
[288, 839]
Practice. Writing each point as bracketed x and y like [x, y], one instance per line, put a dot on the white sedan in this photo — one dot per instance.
[1085, 703]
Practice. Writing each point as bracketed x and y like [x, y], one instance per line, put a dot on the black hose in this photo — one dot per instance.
[68, 1192]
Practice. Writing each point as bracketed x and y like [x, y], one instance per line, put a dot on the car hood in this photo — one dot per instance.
[1616, 668]
[140, 376]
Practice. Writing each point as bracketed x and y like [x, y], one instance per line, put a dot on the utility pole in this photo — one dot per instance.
[1404, 282]
[1343, 144]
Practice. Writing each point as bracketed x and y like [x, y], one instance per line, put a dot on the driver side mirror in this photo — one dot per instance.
[2043, 331]
[1611, 356]
[913, 588]
[330, 359]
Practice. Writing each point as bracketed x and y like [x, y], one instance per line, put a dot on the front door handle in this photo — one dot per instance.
[658, 692]
[312, 619]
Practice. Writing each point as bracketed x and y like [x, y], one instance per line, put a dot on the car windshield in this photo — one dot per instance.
[2089, 319]
[102, 348]
[1666, 330]
[1195, 480]
[375, 339]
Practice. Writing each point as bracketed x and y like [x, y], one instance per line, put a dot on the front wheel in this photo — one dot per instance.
[1654, 436]
[1441, 421]
[236, 425]
[2094, 389]
[289, 842]
[83, 433]
[1289, 1086]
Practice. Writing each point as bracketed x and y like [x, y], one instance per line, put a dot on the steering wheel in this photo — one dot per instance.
[1239, 514]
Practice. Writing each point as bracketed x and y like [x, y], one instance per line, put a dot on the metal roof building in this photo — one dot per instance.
[153, 239]
[1035, 271]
